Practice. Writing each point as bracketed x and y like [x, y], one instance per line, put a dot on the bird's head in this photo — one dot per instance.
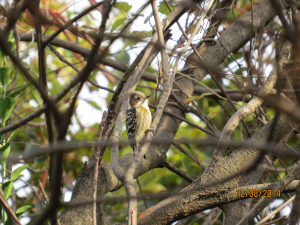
[137, 98]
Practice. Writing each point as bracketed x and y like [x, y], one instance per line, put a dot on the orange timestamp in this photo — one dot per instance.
[257, 193]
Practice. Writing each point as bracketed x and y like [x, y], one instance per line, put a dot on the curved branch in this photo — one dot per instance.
[256, 102]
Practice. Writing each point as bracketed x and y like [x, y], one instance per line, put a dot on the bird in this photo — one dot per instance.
[138, 118]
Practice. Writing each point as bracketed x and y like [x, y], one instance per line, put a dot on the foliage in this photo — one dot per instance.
[7, 105]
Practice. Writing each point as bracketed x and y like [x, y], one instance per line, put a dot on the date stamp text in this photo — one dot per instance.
[257, 193]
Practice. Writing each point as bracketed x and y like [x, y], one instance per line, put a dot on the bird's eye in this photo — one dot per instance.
[138, 98]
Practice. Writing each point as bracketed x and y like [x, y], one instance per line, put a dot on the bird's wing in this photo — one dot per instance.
[130, 126]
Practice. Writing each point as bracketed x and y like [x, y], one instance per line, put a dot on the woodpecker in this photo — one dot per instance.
[138, 118]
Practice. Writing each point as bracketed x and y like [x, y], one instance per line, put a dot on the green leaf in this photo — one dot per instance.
[189, 100]
[22, 209]
[156, 187]
[6, 107]
[8, 139]
[16, 93]
[122, 57]
[10, 69]
[5, 150]
[94, 104]
[37, 96]
[23, 57]
[148, 18]
[135, 37]
[123, 6]
[10, 36]
[117, 23]
[10, 44]
[17, 172]
[233, 56]
[212, 115]
[4, 76]
[163, 8]
[7, 222]
[7, 187]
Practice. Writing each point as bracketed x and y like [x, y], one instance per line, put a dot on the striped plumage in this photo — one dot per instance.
[138, 118]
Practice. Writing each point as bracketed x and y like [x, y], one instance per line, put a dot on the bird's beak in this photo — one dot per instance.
[148, 96]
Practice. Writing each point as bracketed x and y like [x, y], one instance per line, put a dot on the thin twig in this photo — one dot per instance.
[141, 191]
[96, 159]
[69, 23]
[178, 172]
[187, 121]
[275, 221]
[190, 155]
[45, 196]
[43, 192]
[196, 29]
[37, 195]
[61, 58]
[256, 101]
[12, 217]
[276, 211]
[34, 124]
[199, 82]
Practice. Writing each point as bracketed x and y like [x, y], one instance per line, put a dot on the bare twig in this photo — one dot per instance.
[96, 159]
[190, 155]
[45, 196]
[178, 172]
[213, 216]
[34, 190]
[69, 23]
[34, 124]
[11, 216]
[43, 192]
[61, 58]
[186, 121]
[141, 191]
[23, 121]
[276, 211]
[196, 29]
[256, 101]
